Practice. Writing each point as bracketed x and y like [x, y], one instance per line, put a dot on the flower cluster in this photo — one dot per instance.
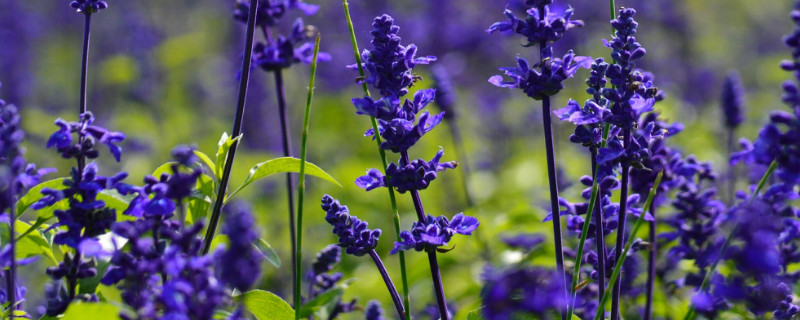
[389, 63]
[320, 280]
[540, 26]
[522, 292]
[445, 91]
[416, 175]
[280, 52]
[400, 126]
[732, 102]
[353, 234]
[239, 265]
[88, 137]
[269, 12]
[434, 232]
[88, 6]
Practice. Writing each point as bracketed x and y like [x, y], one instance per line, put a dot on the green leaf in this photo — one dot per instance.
[266, 250]
[114, 200]
[89, 285]
[475, 315]
[224, 145]
[96, 310]
[35, 193]
[46, 317]
[31, 244]
[322, 304]
[266, 305]
[278, 165]
[207, 161]
[201, 198]
[164, 168]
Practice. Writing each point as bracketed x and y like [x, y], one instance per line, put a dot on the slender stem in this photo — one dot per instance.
[389, 285]
[551, 174]
[731, 171]
[435, 273]
[623, 208]
[727, 243]
[12, 269]
[651, 268]
[624, 255]
[85, 61]
[287, 152]
[237, 127]
[301, 191]
[392, 199]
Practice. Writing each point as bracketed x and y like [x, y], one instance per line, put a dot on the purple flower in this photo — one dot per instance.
[416, 175]
[269, 12]
[732, 101]
[389, 63]
[374, 311]
[398, 124]
[282, 52]
[522, 292]
[353, 234]
[540, 26]
[434, 232]
[239, 265]
[88, 6]
[445, 91]
[544, 78]
[88, 137]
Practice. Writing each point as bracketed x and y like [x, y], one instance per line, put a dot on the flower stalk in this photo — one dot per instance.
[298, 253]
[237, 127]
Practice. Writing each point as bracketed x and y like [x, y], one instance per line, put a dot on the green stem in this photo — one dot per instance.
[727, 243]
[585, 231]
[392, 199]
[624, 255]
[302, 185]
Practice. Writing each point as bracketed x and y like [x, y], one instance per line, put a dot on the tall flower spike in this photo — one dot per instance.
[399, 125]
[353, 234]
[389, 63]
[239, 265]
[732, 101]
[270, 11]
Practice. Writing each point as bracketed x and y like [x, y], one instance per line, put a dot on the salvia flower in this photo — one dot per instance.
[732, 101]
[400, 126]
[281, 53]
[389, 63]
[403, 176]
[544, 78]
[540, 26]
[239, 265]
[269, 12]
[374, 311]
[88, 137]
[434, 232]
[88, 6]
[353, 234]
[522, 292]
[321, 279]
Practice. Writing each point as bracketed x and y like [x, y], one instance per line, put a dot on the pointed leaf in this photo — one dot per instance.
[224, 145]
[164, 168]
[35, 193]
[319, 306]
[201, 198]
[266, 250]
[279, 165]
[206, 160]
[475, 315]
[265, 305]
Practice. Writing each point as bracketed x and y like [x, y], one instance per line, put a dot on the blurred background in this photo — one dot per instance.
[164, 73]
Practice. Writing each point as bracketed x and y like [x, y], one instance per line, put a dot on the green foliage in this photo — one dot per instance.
[265, 305]
[96, 310]
[223, 146]
[35, 193]
[323, 304]
[266, 250]
[279, 165]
